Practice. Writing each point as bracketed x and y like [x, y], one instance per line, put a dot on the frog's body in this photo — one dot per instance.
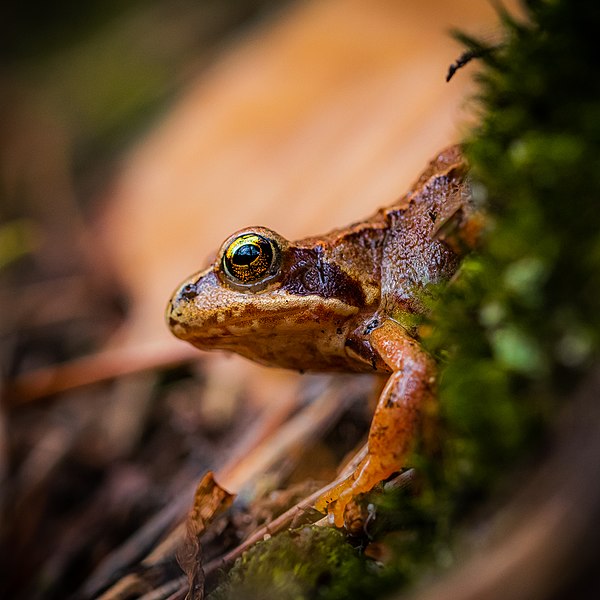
[340, 302]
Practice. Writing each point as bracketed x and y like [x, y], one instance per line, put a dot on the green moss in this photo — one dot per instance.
[312, 562]
[520, 324]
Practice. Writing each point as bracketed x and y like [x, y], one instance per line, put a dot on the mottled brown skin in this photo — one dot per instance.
[338, 301]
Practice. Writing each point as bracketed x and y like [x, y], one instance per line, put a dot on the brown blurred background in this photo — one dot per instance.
[179, 122]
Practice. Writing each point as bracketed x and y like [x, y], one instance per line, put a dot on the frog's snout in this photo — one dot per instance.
[200, 309]
[176, 315]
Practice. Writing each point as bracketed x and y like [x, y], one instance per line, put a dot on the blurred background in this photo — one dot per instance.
[135, 137]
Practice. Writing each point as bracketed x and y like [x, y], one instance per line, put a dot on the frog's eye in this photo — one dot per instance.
[250, 258]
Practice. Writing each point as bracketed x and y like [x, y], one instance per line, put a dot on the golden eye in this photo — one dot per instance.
[250, 258]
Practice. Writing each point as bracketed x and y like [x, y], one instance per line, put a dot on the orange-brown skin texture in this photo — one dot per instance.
[337, 301]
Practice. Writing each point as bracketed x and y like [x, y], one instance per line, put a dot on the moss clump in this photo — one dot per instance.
[520, 325]
[312, 562]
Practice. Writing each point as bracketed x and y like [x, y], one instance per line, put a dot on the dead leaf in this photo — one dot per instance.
[209, 501]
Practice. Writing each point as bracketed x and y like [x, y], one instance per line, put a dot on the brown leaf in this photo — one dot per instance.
[209, 501]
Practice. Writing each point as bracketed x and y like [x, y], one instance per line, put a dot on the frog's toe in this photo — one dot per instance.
[335, 501]
[336, 512]
[330, 502]
[323, 502]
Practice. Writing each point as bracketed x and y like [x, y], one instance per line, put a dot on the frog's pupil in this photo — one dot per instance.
[249, 259]
[245, 255]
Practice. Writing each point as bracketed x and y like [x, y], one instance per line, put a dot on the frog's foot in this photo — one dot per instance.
[368, 474]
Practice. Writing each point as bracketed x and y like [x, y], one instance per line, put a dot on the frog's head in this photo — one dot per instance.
[275, 302]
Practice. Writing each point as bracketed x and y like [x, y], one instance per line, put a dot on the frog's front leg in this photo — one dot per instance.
[409, 391]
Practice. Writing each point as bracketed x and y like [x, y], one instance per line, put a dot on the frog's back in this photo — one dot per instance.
[391, 256]
[426, 232]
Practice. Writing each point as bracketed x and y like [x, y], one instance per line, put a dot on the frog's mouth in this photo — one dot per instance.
[272, 326]
[203, 308]
[226, 327]
[299, 350]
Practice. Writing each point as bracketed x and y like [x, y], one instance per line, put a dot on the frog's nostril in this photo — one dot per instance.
[188, 292]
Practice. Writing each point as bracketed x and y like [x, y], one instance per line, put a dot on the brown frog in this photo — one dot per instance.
[343, 301]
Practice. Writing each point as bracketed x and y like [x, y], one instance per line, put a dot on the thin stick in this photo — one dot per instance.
[95, 368]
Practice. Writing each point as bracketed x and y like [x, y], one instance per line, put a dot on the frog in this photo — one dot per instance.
[348, 300]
